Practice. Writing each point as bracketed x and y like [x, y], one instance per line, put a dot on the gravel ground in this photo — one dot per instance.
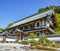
[14, 47]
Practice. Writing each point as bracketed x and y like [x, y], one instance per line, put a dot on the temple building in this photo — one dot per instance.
[40, 24]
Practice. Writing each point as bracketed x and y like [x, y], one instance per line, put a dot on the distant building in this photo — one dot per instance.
[40, 24]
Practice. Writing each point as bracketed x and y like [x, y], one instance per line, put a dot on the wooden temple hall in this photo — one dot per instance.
[40, 24]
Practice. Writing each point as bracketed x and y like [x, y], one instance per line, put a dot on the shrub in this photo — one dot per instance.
[32, 35]
[43, 39]
[49, 44]
[34, 42]
[55, 45]
[25, 42]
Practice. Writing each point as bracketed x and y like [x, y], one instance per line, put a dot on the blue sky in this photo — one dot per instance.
[13, 10]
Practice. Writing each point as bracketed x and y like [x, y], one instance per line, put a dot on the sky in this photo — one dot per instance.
[14, 10]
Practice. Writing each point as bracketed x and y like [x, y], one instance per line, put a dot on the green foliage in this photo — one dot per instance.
[32, 35]
[43, 39]
[40, 42]
[25, 42]
[55, 45]
[1, 29]
[57, 9]
[9, 25]
[31, 41]
[57, 30]
[41, 10]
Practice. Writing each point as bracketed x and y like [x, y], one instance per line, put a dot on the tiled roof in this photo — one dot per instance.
[32, 18]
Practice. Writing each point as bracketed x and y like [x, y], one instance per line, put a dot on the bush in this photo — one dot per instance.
[45, 44]
[49, 44]
[1, 29]
[32, 41]
[44, 39]
[55, 45]
[37, 43]
[32, 35]
[25, 42]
